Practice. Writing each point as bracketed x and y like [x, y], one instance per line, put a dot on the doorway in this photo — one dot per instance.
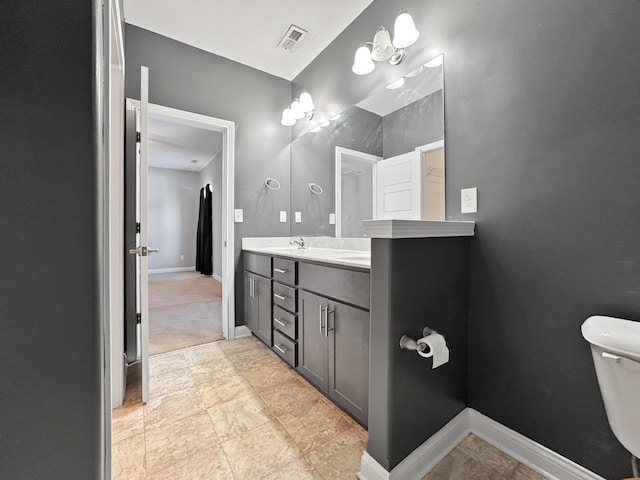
[173, 194]
[184, 221]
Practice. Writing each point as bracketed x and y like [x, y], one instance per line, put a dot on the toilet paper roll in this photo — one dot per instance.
[436, 348]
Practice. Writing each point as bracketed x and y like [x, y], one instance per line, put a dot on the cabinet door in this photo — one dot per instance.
[263, 295]
[313, 352]
[250, 302]
[349, 359]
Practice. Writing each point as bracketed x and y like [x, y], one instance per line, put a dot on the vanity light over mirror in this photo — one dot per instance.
[382, 158]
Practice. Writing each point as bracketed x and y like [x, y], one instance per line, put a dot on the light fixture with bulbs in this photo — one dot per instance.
[300, 108]
[383, 48]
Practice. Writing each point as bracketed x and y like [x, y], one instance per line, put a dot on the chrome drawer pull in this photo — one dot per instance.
[280, 349]
[279, 270]
[280, 322]
[279, 297]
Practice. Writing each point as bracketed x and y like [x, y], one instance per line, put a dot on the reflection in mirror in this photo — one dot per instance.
[382, 158]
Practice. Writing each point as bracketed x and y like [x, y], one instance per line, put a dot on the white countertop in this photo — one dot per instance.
[418, 228]
[359, 255]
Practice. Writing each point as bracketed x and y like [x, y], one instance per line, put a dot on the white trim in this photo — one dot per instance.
[430, 146]
[228, 130]
[157, 271]
[367, 157]
[528, 452]
[242, 331]
[418, 228]
[535, 456]
[215, 276]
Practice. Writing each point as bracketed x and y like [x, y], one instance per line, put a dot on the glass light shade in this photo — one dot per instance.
[404, 31]
[287, 118]
[362, 63]
[397, 84]
[382, 48]
[296, 109]
[306, 102]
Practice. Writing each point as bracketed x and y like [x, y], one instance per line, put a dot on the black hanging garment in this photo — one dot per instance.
[207, 234]
[199, 232]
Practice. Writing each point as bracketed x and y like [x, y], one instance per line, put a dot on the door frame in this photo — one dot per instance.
[367, 157]
[228, 130]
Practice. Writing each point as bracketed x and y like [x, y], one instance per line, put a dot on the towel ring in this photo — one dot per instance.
[272, 183]
[315, 188]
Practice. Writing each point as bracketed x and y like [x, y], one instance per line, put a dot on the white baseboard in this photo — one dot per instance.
[217, 277]
[242, 331]
[156, 271]
[537, 457]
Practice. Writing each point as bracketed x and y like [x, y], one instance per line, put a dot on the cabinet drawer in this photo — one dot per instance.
[349, 286]
[286, 322]
[260, 264]
[285, 271]
[285, 348]
[284, 296]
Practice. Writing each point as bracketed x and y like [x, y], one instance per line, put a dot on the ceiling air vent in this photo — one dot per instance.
[292, 38]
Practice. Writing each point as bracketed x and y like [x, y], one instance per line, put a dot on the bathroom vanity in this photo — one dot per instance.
[311, 306]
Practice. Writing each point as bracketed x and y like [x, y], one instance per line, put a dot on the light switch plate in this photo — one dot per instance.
[283, 216]
[181, 257]
[238, 215]
[332, 219]
[469, 200]
[298, 217]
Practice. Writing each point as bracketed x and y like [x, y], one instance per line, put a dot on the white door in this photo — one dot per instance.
[142, 251]
[398, 187]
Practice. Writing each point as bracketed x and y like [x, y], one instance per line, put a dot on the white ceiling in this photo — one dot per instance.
[176, 146]
[248, 31]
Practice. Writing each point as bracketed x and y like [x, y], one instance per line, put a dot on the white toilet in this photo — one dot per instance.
[615, 345]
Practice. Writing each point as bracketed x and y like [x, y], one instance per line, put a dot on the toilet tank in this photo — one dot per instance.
[615, 346]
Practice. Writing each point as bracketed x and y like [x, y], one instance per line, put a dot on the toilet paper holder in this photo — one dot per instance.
[409, 343]
[431, 345]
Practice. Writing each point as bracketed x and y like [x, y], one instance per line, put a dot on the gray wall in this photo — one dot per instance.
[172, 208]
[417, 124]
[541, 115]
[190, 79]
[50, 350]
[212, 174]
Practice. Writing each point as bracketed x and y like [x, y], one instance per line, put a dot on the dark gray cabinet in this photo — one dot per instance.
[334, 351]
[313, 352]
[258, 306]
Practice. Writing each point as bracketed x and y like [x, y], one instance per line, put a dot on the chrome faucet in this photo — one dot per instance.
[298, 241]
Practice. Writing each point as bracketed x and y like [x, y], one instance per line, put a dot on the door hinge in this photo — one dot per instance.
[137, 227]
[138, 137]
[138, 318]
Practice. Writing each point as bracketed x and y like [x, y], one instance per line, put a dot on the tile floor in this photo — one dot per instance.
[235, 411]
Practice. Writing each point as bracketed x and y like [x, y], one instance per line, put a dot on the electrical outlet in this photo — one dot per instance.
[298, 217]
[181, 257]
[238, 215]
[283, 216]
[469, 200]
[332, 219]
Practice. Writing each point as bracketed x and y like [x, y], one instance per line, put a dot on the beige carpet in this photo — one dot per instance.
[185, 309]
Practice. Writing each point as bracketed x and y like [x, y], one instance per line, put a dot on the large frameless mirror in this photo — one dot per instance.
[382, 158]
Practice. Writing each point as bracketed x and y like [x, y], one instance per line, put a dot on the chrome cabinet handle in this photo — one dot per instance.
[326, 321]
[280, 322]
[320, 318]
[279, 270]
[279, 297]
[252, 292]
[280, 349]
